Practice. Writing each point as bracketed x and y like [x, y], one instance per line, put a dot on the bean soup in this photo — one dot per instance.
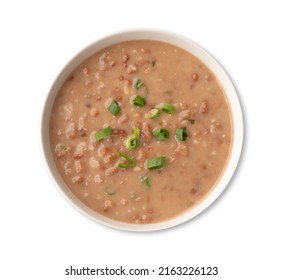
[141, 131]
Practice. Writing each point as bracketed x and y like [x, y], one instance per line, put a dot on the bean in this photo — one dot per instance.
[195, 77]
[204, 107]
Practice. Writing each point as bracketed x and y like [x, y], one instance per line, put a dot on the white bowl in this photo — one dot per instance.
[227, 87]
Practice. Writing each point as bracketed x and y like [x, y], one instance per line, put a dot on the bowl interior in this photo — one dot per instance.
[223, 79]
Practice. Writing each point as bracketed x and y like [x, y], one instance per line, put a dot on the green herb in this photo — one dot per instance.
[103, 133]
[138, 84]
[167, 108]
[153, 114]
[181, 134]
[156, 162]
[132, 142]
[109, 191]
[130, 161]
[114, 108]
[61, 146]
[161, 134]
[136, 131]
[154, 63]
[191, 121]
[139, 101]
[146, 182]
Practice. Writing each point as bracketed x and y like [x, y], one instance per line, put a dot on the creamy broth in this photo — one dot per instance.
[141, 131]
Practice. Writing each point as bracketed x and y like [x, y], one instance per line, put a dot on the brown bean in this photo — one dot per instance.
[77, 179]
[108, 159]
[102, 150]
[78, 166]
[98, 179]
[146, 131]
[71, 131]
[131, 69]
[107, 205]
[123, 119]
[125, 58]
[204, 107]
[94, 112]
[67, 168]
[86, 71]
[195, 77]
[184, 115]
[80, 149]
[119, 132]
[94, 163]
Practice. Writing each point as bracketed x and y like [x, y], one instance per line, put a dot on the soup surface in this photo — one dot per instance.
[141, 131]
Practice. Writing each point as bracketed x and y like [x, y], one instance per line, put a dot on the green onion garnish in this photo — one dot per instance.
[156, 162]
[114, 108]
[130, 160]
[103, 133]
[167, 108]
[136, 131]
[145, 182]
[181, 134]
[161, 134]
[132, 142]
[139, 101]
[153, 114]
[109, 191]
[138, 84]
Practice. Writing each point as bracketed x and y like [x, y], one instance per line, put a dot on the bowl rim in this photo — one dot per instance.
[223, 79]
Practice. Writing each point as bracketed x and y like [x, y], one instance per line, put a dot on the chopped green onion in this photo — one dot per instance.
[139, 101]
[138, 84]
[161, 134]
[167, 108]
[146, 182]
[114, 108]
[132, 142]
[136, 131]
[130, 160]
[181, 134]
[109, 191]
[191, 121]
[156, 162]
[103, 133]
[153, 114]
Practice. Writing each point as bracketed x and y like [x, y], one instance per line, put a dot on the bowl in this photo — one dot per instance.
[223, 79]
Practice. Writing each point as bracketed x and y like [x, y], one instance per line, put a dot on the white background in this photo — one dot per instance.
[42, 235]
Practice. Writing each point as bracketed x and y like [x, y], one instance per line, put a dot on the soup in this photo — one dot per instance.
[141, 131]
